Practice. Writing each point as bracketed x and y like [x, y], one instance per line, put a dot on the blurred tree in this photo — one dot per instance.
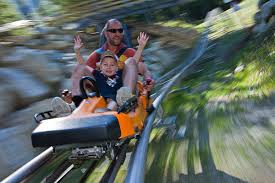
[7, 12]
[48, 8]
[65, 2]
[261, 2]
[198, 9]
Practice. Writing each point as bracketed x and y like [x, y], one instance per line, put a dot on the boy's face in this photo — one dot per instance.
[108, 66]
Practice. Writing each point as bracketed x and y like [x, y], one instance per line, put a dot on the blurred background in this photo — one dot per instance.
[216, 125]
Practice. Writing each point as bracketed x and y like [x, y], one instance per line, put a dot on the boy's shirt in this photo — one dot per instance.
[108, 86]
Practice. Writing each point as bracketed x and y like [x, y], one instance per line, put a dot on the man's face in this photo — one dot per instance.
[114, 33]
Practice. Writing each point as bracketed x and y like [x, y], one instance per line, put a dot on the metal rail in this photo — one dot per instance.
[110, 174]
[30, 167]
[58, 173]
[136, 168]
[66, 166]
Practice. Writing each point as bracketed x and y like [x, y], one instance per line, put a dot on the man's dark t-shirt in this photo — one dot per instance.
[108, 86]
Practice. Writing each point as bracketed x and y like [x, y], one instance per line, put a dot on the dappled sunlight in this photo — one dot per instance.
[252, 77]
[226, 105]
[230, 20]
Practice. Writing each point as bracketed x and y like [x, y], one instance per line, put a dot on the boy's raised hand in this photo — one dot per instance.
[142, 39]
[77, 43]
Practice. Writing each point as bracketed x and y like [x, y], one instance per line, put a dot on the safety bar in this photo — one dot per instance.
[27, 169]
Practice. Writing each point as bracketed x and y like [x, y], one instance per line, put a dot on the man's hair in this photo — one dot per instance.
[108, 23]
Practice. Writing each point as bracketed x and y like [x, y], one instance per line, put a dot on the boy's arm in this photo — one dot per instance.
[90, 69]
[142, 40]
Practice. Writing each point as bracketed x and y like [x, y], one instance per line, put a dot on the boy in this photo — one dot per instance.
[108, 78]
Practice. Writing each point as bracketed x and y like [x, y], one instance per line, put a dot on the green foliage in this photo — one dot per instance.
[255, 80]
[194, 10]
[7, 12]
[66, 2]
[48, 8]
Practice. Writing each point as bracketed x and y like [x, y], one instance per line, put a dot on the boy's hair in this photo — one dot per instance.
[108, 54]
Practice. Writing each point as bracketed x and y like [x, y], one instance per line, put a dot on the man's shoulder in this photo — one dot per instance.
[98, 51]
[130, 49]
[93, 58]
[130, 52]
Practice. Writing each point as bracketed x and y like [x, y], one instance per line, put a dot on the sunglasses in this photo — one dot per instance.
[115, 30]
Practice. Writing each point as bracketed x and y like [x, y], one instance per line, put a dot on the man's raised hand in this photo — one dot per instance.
[77, 43]
[142, 39]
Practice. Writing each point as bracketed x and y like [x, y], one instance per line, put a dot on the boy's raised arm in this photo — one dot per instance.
[142, 41]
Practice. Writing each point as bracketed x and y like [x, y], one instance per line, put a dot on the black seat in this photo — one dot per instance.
[61, 131]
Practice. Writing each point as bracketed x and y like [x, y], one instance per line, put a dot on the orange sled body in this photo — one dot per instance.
[86, 126]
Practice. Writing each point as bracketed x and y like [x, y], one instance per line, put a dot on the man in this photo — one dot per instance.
[113, 33]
